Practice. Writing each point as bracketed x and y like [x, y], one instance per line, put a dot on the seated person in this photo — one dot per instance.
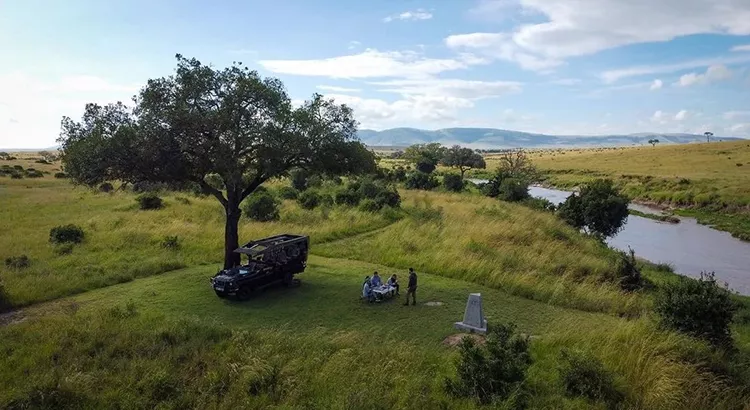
[393, 282]
[367, 290]
[376, 282]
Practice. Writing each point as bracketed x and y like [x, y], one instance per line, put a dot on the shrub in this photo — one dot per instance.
[453, 182]
[369, 189]
[33, 173]
[513, 190]
[628, 273]
[106, 187]
[495, 372]
[287, 192]
[347, 197]
[585, 376]
[170, 242]
[388, 197]
[261, 206]
[399, 174]
[17, 262]
[700, 308]
[18, 167]
[299, 179]
[326, 200]
[420, 180]
[425, 166]
[540, 204]
[309, 199]
[314, 181]
[16, 175]
[60, 175]
[66, 234]
[149, 200]
[369, 205]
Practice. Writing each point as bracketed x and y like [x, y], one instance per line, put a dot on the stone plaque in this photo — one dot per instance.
[474, 320]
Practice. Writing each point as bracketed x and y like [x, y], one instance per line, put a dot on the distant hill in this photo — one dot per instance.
[497, 138]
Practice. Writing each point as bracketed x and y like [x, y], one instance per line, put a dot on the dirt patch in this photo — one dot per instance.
[434, 303]
[455, 340]
[13, 317]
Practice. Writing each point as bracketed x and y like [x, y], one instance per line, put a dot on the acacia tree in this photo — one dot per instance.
[425, 156]
[202, 121]
[653, 142]
[463, 158]
[708, 135]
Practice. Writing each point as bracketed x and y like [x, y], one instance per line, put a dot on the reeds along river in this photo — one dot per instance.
[691, 248]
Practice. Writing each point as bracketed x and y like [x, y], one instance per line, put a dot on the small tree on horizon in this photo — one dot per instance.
[708, 135]
[653, 142]
[463, 158]
[201, 121]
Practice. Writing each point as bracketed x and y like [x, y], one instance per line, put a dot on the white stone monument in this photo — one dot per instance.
[474, 321]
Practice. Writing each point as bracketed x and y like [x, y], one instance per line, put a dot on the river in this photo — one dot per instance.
[691, 248]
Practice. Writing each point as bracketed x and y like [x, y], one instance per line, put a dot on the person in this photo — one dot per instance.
[376, 282]
[393, 282]
[411, 288]
[367, 290]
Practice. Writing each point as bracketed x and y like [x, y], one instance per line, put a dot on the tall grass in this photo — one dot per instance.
[507, 246]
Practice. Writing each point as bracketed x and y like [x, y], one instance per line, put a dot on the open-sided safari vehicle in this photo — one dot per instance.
[271, 260]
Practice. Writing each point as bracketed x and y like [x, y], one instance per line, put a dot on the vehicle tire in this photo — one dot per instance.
[244, 293]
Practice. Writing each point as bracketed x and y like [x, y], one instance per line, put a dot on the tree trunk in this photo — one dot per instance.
[232, 235]
[462, 172]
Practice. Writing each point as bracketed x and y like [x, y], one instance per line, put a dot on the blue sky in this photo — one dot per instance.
[562, 67]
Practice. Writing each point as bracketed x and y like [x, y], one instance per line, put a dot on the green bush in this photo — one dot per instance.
[540, 204]
[149, 200]
[17, 262]
[314, 181]
[287, 192]
[425, 166]
[106, 187]
[629, 276]
[388, 197]
[309, 199]
[583, 375]
[66, 234]
[33, 173]
[399, 174]
[369, 188]
[513, 190]
[347, 197]
[599, 208]
[170, 242]
[61, 175]
[18, 167]
[16, 175]
[453, 182]
[326, 200]
[369, 205]
[495, 372]
[420, 180]
[700, 308]
[299, 179]
[261, 206]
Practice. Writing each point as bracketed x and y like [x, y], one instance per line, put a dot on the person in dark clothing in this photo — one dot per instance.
[393, 281]
[411, 288]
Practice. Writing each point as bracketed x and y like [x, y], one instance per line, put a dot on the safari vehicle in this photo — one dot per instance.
[272, 260]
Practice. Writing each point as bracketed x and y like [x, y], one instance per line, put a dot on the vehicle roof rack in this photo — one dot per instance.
[253, 248]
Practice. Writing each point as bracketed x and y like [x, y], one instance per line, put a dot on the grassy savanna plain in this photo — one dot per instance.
[710, 181]
[126, 323]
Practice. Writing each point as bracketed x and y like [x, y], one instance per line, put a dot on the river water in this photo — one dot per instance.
[688, 246]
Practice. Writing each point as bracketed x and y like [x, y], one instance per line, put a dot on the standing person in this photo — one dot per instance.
[412, 288]
[367, 290]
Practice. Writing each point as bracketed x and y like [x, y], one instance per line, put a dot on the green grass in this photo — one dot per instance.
[143, 329]
[316, 346]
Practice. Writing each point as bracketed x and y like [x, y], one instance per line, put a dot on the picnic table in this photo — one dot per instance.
[383, 291]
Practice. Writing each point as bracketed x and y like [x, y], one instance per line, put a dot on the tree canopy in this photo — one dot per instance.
[203, 121]
[599, 208]
[463, 159]
[425, 156]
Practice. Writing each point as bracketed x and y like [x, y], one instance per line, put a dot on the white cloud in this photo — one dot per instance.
[730, 115]
[336, 89]
[419, 14]
[713, 74]
[742, 129]
[570, 28]
[567, 81]
[31, 107]
[611, 76]
[681, 115]
[501, 46]
[658, 116]
[744, 47]
[354, 44]
[453, 88]
[371, 64]
[657, 84]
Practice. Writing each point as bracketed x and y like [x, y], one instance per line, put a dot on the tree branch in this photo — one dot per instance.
[213, 191]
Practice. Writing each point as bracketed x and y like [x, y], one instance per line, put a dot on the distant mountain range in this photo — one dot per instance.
[495, 138]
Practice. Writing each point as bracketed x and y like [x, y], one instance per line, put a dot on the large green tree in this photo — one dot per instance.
[463, 158]
[425, 156]
[599, 208]
[203, 121]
